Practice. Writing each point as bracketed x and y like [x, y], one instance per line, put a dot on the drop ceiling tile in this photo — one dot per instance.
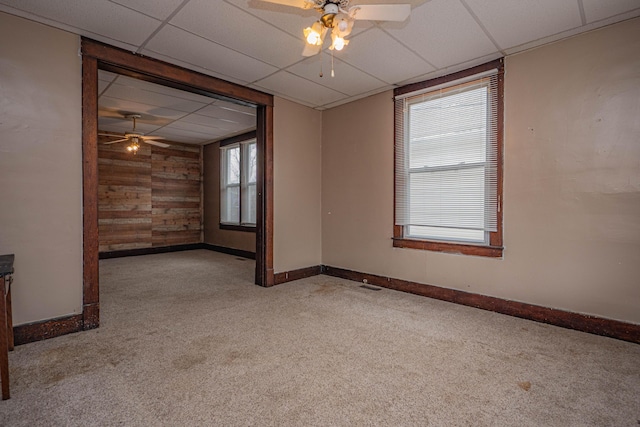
[160, 9]
[206, 129]
[452, 69]
[191, 66]
[442, 32]
[186, 135]
[379, 55]
[296, 88]
[102, 85]
[112, 125]
[103, 18]
[165, 90]
[348, 80]
[236, 29]
[121, 105]
[183, 46]
[194, 121]
[356, 97]
[214, 112]
[238, 108]
[596, 10]
[106, 75]
[134, 93]
[512, 23]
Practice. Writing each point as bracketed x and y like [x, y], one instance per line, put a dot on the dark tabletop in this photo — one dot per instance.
[6, 264]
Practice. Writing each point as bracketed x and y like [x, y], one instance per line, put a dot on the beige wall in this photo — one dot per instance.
[40, 167]
[297, 181]
[243, 240]
[571, 189]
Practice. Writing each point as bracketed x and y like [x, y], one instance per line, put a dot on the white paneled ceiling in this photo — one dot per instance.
[259, 44]
[173, 114]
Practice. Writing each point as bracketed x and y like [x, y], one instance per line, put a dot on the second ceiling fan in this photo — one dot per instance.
[338, 17]
[135, 138]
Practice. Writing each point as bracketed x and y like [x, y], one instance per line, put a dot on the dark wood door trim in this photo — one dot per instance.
[96, 55]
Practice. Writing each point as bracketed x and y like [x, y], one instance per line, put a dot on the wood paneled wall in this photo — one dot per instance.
[149, 199]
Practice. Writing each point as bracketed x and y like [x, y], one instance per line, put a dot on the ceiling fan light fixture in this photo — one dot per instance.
[338, 43]
[313, 34]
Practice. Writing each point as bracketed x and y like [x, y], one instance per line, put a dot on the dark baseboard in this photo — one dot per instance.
[150, 251]
[565, 319]
[46, 329]
[229, 251]
[301, 273]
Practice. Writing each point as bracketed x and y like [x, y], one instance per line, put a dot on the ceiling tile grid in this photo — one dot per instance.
[596, 10]
[258, 44]
[383, 57]
[298, 89]
[102, 17]
[347, 79]
[221, 61]
[512, 23]
[236, 29]
[443, 33]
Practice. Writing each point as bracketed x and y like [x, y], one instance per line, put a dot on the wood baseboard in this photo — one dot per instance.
[150, 251]
[565, 319]
[229, 251]
[46, 329]
[301, 273]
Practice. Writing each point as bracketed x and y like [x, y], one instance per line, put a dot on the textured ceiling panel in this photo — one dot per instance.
[165, 90]
[259, 44]
[397, 63]
[229, 112]
[181, 45]
[160, 9]
[596, 10]
[347, 79]
[124, 92]
[99, 17]
[293, 87]
[236, 29]
[512, 23]
[132, 106]
[443, 33]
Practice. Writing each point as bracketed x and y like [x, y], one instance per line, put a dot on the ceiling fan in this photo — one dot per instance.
[338, 17]
[134, 138]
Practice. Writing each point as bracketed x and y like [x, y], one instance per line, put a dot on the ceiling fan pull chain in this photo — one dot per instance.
[321, 62]
[332, 73]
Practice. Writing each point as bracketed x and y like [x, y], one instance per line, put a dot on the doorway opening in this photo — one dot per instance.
[98, 56]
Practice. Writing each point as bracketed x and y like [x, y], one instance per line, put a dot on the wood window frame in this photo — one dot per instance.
[238, 139]
[495, 247]
[96, 55]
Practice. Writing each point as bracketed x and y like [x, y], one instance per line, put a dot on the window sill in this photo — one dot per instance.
[451, 248]
[235, 227]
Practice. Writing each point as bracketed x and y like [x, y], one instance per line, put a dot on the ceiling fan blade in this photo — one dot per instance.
[151, 137]
[156, 143]
[311, 49]
[302, 4]
[380, 12]
[113, 142]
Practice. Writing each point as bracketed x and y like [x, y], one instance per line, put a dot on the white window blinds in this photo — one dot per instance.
[447, 160]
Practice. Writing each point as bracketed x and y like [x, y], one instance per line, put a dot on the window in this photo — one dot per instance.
[238, 183]
[448, 158]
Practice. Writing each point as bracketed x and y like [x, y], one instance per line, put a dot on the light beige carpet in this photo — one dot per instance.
[187, 339]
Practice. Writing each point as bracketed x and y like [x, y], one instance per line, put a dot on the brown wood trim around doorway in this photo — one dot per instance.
[96, 55]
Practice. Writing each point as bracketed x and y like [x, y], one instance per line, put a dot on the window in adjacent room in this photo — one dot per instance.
[238, 184]
[448, 158]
